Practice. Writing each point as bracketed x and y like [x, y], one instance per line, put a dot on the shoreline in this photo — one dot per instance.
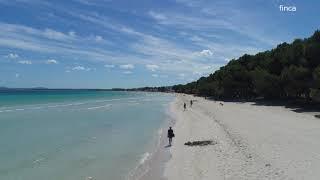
[153, 164]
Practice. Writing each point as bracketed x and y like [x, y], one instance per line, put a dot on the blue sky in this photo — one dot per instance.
[126, 43]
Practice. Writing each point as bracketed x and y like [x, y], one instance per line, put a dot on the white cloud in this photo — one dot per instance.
[127, 72]
[86, 2]
[181, 76]
[130, 31]
[68, 71]
[32, 39]
[52, 34]
[25, 62]
[72, 33]
[159, 50]
[206, 53]
[157, 16]
[12, 56]
[168, 55]
[80, 68]
[171, 55]
[217, 16]
[52, 61]
[152, 67]
[196, 38]
[127, 66]
[48, 33]
[109, 66]
[164, 76]
[197, 73]
[155, 75]
[98, 38]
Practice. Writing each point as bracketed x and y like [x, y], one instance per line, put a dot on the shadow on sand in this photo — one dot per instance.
[298, 106]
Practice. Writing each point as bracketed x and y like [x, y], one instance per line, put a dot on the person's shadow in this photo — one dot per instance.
[167, 146]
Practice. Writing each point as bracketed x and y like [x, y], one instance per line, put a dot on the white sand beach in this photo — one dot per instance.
[252, 142]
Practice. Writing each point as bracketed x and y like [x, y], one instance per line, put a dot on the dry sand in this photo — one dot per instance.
[253, 142]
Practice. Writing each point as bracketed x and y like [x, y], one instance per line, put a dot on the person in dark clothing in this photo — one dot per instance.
[191, 102]
[184, 106]
[170, 135]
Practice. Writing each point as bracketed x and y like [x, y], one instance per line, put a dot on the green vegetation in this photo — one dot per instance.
[288, 71]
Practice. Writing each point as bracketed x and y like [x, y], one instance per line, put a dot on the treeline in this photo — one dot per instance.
[147, 89]
[288, 71]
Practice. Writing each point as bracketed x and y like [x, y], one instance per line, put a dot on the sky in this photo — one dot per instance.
[135, 43]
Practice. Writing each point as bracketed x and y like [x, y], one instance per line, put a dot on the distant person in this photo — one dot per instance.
[170, 135]
[184, 106]
[191, 102]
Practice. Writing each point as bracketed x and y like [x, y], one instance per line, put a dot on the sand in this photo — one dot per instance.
[252, 142]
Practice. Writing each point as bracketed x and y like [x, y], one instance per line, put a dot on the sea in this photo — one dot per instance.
[78, 134]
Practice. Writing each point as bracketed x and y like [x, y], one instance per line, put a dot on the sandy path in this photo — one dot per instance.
[253, 142]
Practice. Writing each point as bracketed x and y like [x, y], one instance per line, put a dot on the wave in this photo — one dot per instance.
[60, 105]
[131, 104]
[7, 109]
[52, 105]
[144, 157]
[99, 107]
[38, 160]
[36, 108]
[143, 167]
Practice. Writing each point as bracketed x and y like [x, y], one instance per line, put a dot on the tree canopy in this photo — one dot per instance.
[287, 71]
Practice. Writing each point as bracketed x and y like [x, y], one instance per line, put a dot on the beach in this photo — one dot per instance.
[250, 141]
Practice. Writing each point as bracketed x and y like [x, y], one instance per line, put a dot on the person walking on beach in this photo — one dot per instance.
[184, 106]
[191, 102]
[170, 135]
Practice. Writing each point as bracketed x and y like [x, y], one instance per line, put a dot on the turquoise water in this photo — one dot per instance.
[73, 135]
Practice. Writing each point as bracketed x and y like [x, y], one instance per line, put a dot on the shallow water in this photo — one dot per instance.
[76, 134]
